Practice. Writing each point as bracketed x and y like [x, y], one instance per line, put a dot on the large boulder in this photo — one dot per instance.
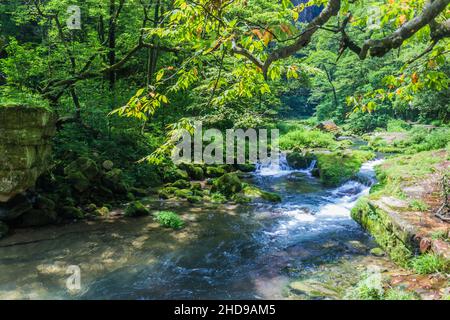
[228, 184]
[298, 160]
[25, 147]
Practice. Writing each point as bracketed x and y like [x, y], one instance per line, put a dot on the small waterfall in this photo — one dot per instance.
[280, 167]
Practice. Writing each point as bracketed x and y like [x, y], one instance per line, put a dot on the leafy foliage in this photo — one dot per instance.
[169, 219]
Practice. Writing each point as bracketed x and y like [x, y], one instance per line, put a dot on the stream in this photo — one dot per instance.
[306, 247]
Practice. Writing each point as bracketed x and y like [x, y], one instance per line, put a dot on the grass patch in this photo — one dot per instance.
[418, 205]
[429, 263]
[440, 235]
[169, 219]
[397, 294]
[404, 169]
[303, 138]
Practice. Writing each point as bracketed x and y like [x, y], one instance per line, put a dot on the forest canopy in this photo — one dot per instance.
[229, 63]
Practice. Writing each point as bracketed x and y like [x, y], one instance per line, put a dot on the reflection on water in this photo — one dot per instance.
[225, 252]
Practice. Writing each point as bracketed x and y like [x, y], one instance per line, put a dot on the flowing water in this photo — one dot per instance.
[225, 251]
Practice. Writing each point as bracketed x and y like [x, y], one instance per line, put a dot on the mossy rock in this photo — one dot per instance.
[138, 192]
[194, 172]
[101, 212]
[78, 181]
[113, 180]
[86, 166]
[42, 202]
[241, 199]
[246, 167]
[104, 192]
[197, 192]
[15, 207]
[174, 174]
[215, 172]
[397, 242]
[196, 186]
[297, 160]
[107, 165]
[183, 193]
[136, 209]
[271, 196]
[228, 184]
[254, 193]
[337, 167]
[69, 212]
[181, 184]
[377, 252]
[3, 229]
[194, 199]
[217, 197]
[167, 192]
[38, 217]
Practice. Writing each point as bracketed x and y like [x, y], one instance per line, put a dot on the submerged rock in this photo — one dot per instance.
[255, 193]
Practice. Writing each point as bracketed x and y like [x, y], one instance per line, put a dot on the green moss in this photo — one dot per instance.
[169, 219]
[298, 160]
[194, 199]
[101, 212]
[254, 192]
[213, 171]
[136, 209]
[395, 241]
[78, 181]
[183, 193]
[181, 184]
[337, 167]
[69, 212]
[228, 184]
[217, 197]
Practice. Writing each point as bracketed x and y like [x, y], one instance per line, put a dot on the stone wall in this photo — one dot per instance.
[25, 145]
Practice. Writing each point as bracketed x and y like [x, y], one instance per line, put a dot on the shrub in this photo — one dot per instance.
[429, 263]
[302, 138]
[169, 219]
[397, 125]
